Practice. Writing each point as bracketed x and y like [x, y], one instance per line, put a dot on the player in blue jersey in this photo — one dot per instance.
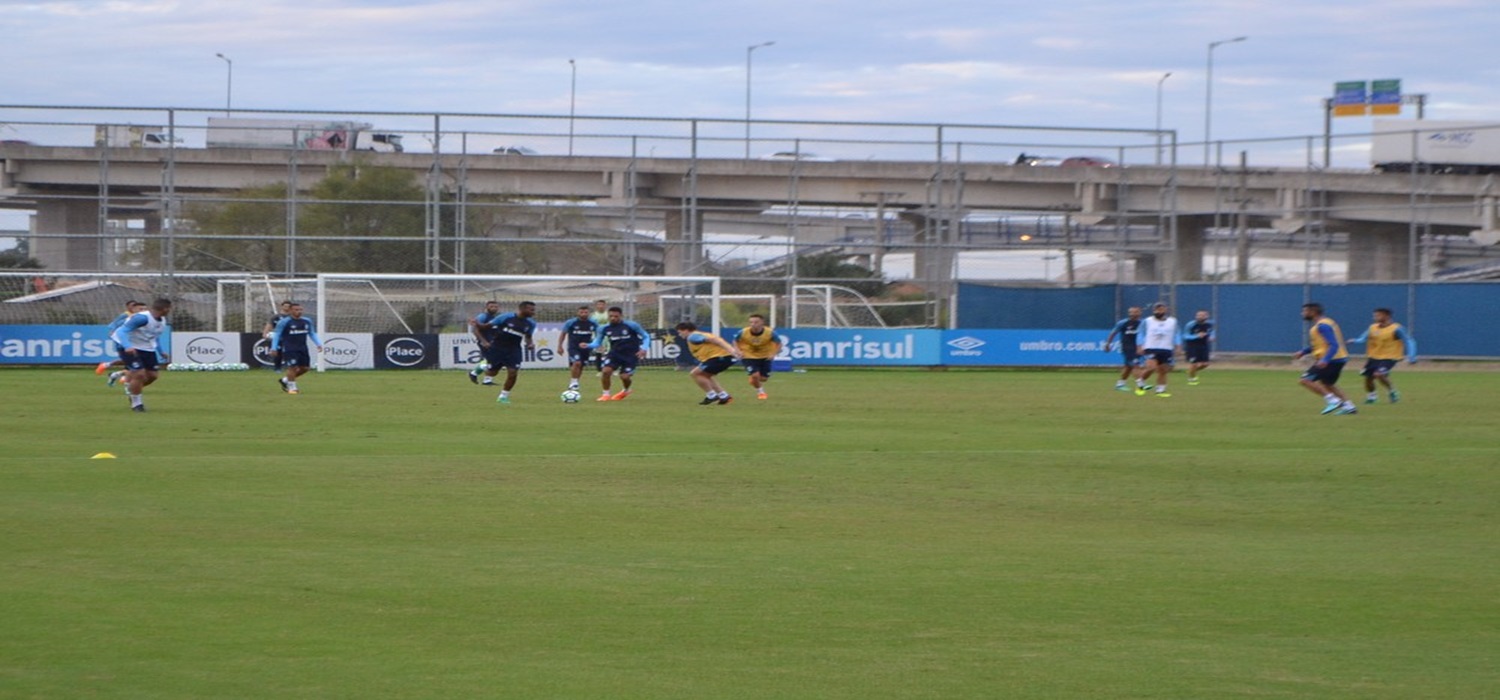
[626, 341]
[502, 338]
[577, 333]
[1197, 338]
[485, 332]
[132, 308]
[144, 339]
[289, 347]
[1128, 329]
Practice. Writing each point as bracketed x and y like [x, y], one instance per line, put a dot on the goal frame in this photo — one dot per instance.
[715, 294]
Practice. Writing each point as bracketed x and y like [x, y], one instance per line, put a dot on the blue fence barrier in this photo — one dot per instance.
[1448, 319]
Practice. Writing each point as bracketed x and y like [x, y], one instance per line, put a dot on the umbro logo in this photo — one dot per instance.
[966, 343]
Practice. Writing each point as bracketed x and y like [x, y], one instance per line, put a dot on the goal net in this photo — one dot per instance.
[444, 304]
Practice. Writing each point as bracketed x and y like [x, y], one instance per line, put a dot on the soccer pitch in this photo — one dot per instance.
[862, 534]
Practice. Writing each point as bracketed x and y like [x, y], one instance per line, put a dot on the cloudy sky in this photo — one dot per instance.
[1085, 63]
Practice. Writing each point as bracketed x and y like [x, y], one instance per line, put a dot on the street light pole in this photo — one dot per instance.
[1158, 115]
[572, 103]
[228, 86]
[1208, 95]
[750, 51]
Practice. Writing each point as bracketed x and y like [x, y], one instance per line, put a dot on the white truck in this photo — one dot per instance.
[129, 136]
[312, 135]
[1449, 147]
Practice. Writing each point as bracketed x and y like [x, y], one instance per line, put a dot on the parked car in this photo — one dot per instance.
[515, 151]
[1086, 162]
[796, 155]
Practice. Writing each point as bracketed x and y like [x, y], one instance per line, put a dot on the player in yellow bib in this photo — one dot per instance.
[1326, 345]
[758, 344]
[714, 355]
[1387, 344]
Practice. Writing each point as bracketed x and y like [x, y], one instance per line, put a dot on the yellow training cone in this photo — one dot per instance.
[103, 455]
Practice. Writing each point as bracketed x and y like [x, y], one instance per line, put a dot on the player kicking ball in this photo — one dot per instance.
[714, 355]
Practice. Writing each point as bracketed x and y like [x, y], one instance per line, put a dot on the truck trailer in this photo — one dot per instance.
[1444, 147]
[311, 135]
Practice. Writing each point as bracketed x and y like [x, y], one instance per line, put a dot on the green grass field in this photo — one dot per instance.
[863, 534]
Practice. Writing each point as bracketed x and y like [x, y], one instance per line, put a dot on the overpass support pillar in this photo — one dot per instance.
[79, 221]
[1186, 258]
[684, 251]
[1378, 251]
[934, 260]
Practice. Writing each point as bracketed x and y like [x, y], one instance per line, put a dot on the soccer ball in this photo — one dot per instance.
[571, 396]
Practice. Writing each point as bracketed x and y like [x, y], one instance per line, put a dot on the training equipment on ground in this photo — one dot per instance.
[571, 396]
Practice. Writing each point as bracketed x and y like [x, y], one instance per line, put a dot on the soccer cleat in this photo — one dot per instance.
[1193, 381]
[473, 378]
[1347, 410]
[503, 399]
[621, 396]
[293, 391]
[284, 387]
[1121, 387]
[1140, 391]
[139, 408]
[101, 368]
[1330, 408]
[1372, 398]
[1395, 396]
[114, 378]
[725, 399]
[708, 401]
[1163, 394]
[605, 397]
[761, 396]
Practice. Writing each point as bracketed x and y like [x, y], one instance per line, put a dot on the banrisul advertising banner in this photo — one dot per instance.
[410, 351]
[853, 347]
[1050, 348]
[54, 345]
[205, 348]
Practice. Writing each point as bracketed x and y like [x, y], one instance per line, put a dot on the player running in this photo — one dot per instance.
[625, 341]
[289, 346]
[508, 332]
[1159, 347]
[1197, 337]
[575, 337]
[132, 308]
[485, 334]
[714, 356]
[758, 346]
[1388, 341]
[1128, 328]
[1330, 354]
[140, 338]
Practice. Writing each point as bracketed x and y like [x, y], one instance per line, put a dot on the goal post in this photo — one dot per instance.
[392, 303]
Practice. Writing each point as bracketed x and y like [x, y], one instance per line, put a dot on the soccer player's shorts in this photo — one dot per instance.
[142, 359]
[1378, 368]
[715, 365]
[623, 362]
[578, 355]
[1132, 358]
[295, 358]
[503, 356]
[1162, 357]
[1196, 351]
[1327, 375]
[761, 366]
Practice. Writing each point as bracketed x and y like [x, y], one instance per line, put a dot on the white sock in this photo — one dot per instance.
[488, 381]
[1330, 398]
[573, 385]
[135, 399]
[723, 394]
[711, 395]
[504, 394]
